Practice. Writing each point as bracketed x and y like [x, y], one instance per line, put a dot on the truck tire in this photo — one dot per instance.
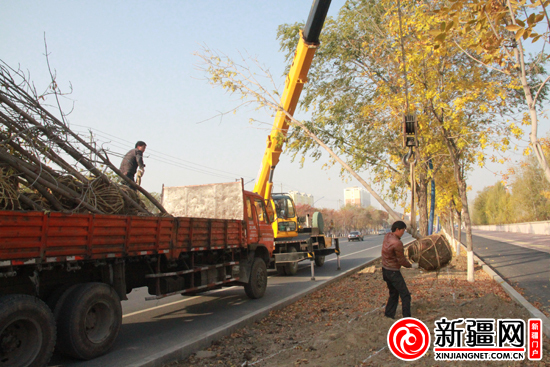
[88, 320]
[281, 269]
[320, 260]
[257, 284]
[291, 268]
[27, 331]
[58, 296]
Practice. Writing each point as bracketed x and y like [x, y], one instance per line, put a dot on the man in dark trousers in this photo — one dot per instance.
[134, 160]
[393, 258]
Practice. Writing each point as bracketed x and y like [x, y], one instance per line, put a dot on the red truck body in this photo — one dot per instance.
[36, 237]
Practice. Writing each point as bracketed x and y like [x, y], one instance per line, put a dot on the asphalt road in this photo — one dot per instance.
[522, 260]
[156, 327]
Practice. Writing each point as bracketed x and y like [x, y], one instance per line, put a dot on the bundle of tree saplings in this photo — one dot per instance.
[45, 166]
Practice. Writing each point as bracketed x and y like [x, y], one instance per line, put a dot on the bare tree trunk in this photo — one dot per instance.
[459, 215]
[452, 223]
[469, 241]
[531, 102]
[461, 184]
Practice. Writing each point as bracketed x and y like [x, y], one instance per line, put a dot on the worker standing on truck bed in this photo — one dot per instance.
[134, 160]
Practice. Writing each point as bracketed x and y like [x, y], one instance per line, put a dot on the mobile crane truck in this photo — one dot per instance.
[291, 247]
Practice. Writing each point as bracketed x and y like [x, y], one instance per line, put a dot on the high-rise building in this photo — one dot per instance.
[301, 198]
[356, 196]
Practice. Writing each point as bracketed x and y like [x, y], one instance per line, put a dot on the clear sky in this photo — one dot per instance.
[134, 77]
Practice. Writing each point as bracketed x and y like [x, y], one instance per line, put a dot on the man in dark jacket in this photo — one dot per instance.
[393, 258]
[134, 160]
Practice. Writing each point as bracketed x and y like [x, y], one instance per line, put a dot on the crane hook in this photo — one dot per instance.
[407, 157]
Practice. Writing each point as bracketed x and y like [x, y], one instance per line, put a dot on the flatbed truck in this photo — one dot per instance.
[63, 276]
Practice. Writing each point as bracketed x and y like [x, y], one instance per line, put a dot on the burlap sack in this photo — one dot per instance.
[431, 252]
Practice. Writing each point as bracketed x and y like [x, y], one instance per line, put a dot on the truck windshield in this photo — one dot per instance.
[284, 207]
[260, 209]
[270, 212]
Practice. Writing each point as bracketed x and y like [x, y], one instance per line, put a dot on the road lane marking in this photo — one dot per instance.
[506, 240]
[157, 307]
[353, 253]
[217, 290]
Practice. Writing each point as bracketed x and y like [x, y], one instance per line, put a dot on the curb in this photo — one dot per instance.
[184, 350]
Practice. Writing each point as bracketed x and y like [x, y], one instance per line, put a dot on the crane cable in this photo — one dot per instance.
[411, 152]
[403, 56]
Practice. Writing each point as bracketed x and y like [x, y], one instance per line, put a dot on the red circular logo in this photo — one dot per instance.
[409, 339]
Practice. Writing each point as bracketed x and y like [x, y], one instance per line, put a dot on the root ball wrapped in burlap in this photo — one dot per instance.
[431, 252]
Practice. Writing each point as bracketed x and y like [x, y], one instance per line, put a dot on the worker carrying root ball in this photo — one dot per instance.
[393, 258]
[134, 160]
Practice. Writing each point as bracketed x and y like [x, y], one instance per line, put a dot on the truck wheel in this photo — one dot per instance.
[257, 284]
[281, 269]
[320, 260]
[57, 296]
[88, 320]
[291, 268]
[27, 331]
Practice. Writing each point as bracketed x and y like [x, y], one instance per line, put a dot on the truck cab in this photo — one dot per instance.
[258, 222]
[282, 213]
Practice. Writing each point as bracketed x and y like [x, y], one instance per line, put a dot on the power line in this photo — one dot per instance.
[120, 143]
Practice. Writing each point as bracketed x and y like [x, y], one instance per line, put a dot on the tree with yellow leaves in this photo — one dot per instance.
[361, 85]
[494, 33]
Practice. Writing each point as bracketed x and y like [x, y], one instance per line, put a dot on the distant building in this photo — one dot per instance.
[356, 196]
[301, 198]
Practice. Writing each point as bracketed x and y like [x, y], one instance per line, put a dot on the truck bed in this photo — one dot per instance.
[37, 237]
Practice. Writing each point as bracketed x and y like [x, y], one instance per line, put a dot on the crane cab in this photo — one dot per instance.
[282, 215]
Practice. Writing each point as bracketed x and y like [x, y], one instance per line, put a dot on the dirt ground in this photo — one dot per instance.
[343, 324]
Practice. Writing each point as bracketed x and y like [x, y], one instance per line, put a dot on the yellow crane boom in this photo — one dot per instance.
[296, 78]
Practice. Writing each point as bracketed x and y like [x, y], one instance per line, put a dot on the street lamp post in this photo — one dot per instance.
[317, 200]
